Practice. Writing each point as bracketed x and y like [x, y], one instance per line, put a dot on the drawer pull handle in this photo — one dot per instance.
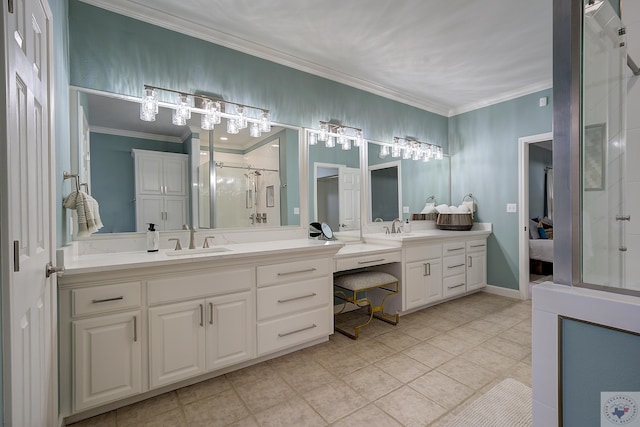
[455, 266]
[201, 315]
[297, 298]
[456, 286]
[427, 269]
[211, 313]
[98, 301]
[478, 246]
[135, 328]
[308, 270]
[297, 330]
[454, 249]
[369, 262]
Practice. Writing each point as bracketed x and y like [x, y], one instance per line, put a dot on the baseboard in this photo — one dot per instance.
[503, 292]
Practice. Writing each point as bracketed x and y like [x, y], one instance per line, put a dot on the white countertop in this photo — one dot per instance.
[124, 260]
[480, 230]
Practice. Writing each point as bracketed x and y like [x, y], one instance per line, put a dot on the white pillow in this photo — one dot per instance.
[533, 230]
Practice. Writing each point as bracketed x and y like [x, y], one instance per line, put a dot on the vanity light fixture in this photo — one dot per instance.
[211, 110]
[415, 150]
[331, 133]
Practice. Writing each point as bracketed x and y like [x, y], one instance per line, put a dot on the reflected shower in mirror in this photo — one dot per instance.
[395, 183]
[334, 189]
[256, 179]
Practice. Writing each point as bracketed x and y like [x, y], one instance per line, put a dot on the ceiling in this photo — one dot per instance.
[445, 56]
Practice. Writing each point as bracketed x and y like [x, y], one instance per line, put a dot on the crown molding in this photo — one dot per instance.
[171, 22]
[133, 134]
[507, 96]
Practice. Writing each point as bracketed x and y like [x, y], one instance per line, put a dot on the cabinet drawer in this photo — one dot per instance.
[291, 297]
[453, 248]
[453, 265]
[293, 271]
[477, 245]
[105, 298]
[293, 330]
[419, 253]
[367, 260]
[188, 286]
[454, 285]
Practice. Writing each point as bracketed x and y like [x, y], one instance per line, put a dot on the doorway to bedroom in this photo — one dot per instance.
[536, 212]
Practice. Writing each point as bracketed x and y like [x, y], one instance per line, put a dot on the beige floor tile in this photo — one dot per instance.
[259, 372]
[410, 407]
[517, 336]
[428, 354]
[397, 340]
[335, 400]
[342, 362]
[173, 418]
[305, 377]
[421, 332]
[136, 414]
[443, 390]
[502, 318]
[525, 326]
[203, 389]
[263, 394]
[468, 373]
[487, 327]
[439, 323]
[402, 367]
[522, 373]
[369, 416]
[245, 422]
[219, 410]
[490, 360]
[506, 347]
[450, 343]
[372, 382]
[294, 412]
[372, 350]
[469, 335]
[104, 420]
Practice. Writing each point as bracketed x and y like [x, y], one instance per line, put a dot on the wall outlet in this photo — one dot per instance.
[296, 211]
[543, 101]
[405, 209]
[512, 207]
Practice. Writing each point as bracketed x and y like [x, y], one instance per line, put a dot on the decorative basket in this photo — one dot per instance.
[454, 221]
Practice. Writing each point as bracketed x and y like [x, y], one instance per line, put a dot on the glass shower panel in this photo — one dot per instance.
[603, 154]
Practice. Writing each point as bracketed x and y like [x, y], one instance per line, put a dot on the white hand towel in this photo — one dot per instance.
[428, 208]
[471, 206]
[463, 209]
[87, 211]
[443, 209]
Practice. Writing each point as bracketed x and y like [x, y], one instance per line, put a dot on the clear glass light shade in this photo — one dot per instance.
[407, 152]
[183, 109]
[232, 126]
[265, 122]
[330, 142]
[439, 154]
[313, 138]
[396, 150]
[149, 106]
[177, 119]
[359, 139]
[324, 132]
[206, 122]
[346, 144]
[254, 130]
[241, 119]
[342, 138]
[384, 151]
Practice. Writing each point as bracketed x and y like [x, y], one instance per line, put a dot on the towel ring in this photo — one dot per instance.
[469, 196]
[431, 199]
[67, 175]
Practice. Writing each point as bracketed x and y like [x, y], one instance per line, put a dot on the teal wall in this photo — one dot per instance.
[113, 178]
[289, 178]
[539, 158]
[611, 365]
[483, 145]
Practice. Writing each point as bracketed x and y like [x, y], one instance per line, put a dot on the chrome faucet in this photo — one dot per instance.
[192, 233]
[395, 229]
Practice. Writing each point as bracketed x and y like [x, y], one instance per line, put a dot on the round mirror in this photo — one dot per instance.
[326, 231]
[315, 229]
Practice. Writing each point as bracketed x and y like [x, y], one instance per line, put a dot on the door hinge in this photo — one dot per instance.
[10, 6]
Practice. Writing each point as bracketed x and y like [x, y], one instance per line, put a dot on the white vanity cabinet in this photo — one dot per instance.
[202, 334]
[454, 280]
[161, 189]
[104, 327]
[476, 264]
[423, 275]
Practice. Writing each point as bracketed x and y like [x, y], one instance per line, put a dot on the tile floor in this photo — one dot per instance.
[412, 374]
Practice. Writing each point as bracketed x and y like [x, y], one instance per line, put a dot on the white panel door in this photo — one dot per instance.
[175, 175]
[149, 209]
[175, 213]
[414, 288]
[149, 175]
[230, 329]
[349, 196]
[176, 342]
[28, 234]
[476, 270]
[107, 359]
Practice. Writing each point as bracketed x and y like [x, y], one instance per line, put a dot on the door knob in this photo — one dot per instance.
[51, 269]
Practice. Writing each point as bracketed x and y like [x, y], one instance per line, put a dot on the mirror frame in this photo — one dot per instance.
[75, 156]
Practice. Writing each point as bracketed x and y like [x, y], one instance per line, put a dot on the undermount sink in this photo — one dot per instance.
[186, 252]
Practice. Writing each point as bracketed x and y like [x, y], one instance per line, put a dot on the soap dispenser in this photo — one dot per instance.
[153, 238]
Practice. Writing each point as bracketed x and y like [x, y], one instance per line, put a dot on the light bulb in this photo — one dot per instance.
[232, 126]
[324, 132]
[313, 138]
[149, 106]
[384, 151]
[254, 130]
[265, 122]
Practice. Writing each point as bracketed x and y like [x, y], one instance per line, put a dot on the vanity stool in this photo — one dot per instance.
[353, 287]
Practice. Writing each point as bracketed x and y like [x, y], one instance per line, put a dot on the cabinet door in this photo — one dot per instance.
[149, 174]
[476, 270]
[423, 283]
[230, 329]
[107, 359]
[175, 175]
[176, 342]
[149, 209]
[175, 213]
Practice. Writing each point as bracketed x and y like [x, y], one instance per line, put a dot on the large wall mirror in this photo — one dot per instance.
[400, 187]
[335, 188]
[205, 179]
